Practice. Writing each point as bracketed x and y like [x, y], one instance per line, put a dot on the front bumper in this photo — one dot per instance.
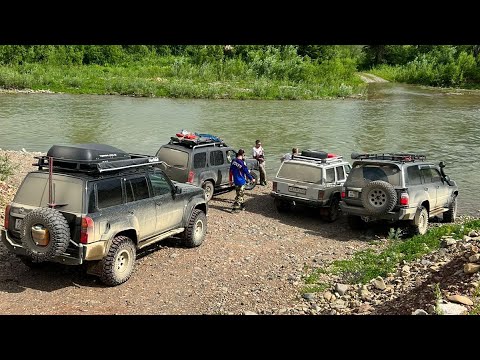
[296, 200]
[68, 259]
[401, 214]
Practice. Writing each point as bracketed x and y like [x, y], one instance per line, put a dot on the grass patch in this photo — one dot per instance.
[6, 167]
[368, 264]
[320, 287]
[476, 300]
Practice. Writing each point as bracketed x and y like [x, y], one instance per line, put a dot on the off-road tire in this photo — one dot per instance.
[251, 185]
[196, 229]
[209, 189]
[355, 222]
[59, 233]
[378, 197]
[282, 205]
[117, 266]
[422, 226]
[451, 214]
[333, 210]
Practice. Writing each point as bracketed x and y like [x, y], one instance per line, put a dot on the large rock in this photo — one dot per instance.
[341, 289]
[473, 233]
[308, 296]
[451, 309]
[470, 268]
[379, 283]
[419, 312]
[474, 258]
[447, 242]
[460, 299]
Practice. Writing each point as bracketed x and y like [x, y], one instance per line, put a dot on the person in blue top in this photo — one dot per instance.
[238, 173]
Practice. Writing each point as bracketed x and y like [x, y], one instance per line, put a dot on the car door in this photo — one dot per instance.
[141, 204]
[442, 188]
[169, 208]
[429, 185]
[218, 166]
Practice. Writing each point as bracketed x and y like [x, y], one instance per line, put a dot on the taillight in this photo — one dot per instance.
[404, 198]
[274, 186]
[343, 194]
[191, 174]
[86, 229]
[7, 216]
[321, 193]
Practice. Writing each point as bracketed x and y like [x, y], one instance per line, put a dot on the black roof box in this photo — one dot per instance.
[87, 153]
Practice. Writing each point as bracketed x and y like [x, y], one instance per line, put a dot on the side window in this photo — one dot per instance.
[436, 177]
[138, 188]
[109, 193]
[347, 169]
[330, 175]
[160, 184]
[340, 173]
[426, 175]
[413, 175]
[216, 157]
[230, 155]
[199, 160]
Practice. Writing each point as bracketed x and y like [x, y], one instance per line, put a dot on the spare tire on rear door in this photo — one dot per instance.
[379, 197]
[45, 234]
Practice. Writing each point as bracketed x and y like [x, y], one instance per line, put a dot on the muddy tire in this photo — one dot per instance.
[451, 214]
[355, 222]
[209, 188]
[249, 185]
[196, 229]
[379, 197]
[333, 210]
[419, 225]
[58, 234]
[282, 205]
[117, 266]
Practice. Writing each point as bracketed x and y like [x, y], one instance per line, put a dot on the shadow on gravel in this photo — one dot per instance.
[424, 294]
[308, 220]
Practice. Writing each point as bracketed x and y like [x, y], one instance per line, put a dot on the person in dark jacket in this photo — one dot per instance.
[238, 174]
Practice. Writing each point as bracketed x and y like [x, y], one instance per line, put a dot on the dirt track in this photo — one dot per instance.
[252, 261]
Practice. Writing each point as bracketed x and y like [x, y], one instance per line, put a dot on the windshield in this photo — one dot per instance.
[173, 157]
[362, 174]
[300, 172]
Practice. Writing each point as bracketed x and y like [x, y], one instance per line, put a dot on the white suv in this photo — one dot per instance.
[315, 179]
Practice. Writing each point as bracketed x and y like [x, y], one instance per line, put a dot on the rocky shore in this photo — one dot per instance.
[254, 262]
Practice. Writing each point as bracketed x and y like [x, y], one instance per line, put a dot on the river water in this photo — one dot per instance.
[401, 118]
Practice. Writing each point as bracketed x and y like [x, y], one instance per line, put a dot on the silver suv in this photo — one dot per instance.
[95, 204]
[203, 162]
[398, 187]
[311, 179]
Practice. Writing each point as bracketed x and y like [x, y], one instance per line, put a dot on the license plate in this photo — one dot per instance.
[297, 190]
[18, 224]
[352, 194]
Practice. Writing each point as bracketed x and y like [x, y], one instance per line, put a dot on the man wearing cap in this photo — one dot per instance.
[238, 172]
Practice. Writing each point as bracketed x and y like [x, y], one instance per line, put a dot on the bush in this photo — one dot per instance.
[6, 168]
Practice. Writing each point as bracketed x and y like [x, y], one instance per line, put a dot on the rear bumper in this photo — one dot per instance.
[306, 202]
[401, 214]
[67, 259]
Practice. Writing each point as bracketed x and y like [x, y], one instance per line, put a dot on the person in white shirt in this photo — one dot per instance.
[259, 154]
[289, 156]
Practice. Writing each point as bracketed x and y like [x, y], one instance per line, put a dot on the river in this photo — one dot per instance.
[400, 118]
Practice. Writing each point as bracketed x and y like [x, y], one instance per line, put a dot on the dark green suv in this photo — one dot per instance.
[398, 187]
[96, 204]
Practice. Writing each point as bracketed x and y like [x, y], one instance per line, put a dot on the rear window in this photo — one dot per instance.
[173, 157]
[300, 172]
[361, 174]
[68, 192]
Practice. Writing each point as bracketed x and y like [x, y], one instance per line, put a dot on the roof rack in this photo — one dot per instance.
[91, 159]
[402, 157]
[198, 142]
[317, 160]
[89, 167]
